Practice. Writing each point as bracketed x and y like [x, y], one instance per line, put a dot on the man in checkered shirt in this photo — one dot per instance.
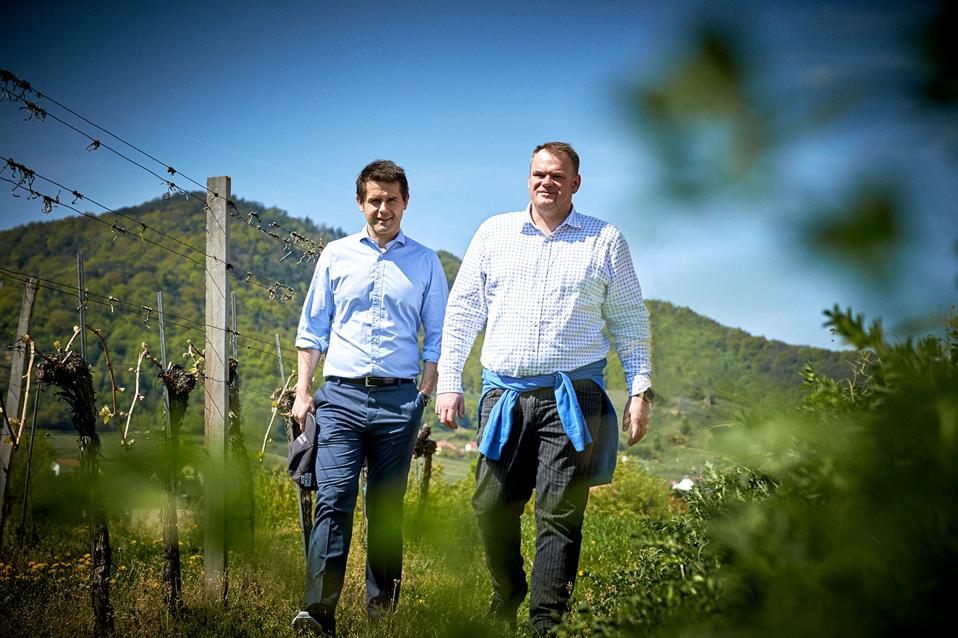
[544, 283]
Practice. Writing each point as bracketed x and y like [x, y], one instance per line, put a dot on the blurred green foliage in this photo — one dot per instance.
[860, 538]
[730, 115]
[864, 233]
[841, 522]
[445, 585]
[703, 117]
[937, 50]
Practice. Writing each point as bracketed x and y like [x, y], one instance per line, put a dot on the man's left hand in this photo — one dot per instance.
[449, 406]
[635, 418]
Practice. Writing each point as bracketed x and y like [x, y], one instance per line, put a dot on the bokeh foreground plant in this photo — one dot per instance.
[846, 523]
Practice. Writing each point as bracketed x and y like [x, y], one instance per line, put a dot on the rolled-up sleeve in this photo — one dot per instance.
[433, 311]
[317, 315]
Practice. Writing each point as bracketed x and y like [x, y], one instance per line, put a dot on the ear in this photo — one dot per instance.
[576, 182]
[359, 202]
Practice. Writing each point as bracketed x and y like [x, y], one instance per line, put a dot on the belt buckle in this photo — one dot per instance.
[372, 382]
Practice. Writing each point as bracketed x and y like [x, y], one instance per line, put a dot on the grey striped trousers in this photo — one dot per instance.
[539, 456]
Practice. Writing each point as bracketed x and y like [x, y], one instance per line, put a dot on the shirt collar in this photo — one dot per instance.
[573, 220]
[363, 237]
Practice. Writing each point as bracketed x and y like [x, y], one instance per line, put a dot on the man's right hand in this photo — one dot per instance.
[450, 405]
[306, 360]
[303, 405]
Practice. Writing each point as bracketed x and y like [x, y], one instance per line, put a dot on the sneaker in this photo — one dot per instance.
[305, 623]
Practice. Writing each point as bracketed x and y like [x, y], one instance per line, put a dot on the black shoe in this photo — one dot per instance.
[379, 607]
[505, 611]
[504, 614]
[305, 624]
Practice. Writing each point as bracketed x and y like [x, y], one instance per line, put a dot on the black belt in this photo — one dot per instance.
[372, 382]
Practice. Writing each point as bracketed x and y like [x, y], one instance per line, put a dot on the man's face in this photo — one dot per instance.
[552, 182]
[383, 208]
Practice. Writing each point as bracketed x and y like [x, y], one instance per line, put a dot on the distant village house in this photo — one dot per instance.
[64, 466]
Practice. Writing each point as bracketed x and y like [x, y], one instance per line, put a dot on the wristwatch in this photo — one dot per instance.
[647, 395]
[427, 398]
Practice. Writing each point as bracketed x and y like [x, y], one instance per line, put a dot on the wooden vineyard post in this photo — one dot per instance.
[14, 392]
[216, 387]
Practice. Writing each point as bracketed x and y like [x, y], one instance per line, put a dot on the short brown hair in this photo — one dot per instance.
[560, 148]
[382, 171]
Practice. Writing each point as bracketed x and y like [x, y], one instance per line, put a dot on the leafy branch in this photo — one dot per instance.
[851, 328]
[105, 413]
[144, 352]
[197, 356]
[281, 400]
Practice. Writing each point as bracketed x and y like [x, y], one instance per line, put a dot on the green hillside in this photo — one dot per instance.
[698, 363]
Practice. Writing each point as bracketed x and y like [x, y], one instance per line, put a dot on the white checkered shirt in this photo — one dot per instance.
[544, 301]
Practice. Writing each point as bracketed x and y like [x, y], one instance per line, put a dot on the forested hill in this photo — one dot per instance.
[693, 356]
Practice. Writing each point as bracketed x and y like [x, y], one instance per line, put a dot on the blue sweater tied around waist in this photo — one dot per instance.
[499, 426]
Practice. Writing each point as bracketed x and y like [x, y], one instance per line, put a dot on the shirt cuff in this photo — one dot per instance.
[312, 342]
[640, 383]
[449, 383]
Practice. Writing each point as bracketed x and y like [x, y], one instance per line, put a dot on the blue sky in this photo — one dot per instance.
[291, 100]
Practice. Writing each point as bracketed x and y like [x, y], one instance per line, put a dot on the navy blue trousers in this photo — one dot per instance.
[355, 423]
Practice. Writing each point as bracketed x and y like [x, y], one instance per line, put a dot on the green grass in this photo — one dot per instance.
[446, 587]
[638, 540]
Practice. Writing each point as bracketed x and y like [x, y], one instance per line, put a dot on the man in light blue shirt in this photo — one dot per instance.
[370, 295]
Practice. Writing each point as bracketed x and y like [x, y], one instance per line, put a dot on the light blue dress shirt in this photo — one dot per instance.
[366, 304]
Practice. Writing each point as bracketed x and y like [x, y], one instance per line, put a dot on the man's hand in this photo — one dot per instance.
[306, 360]
[303, 405]
[450, 405]
[635, 418]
